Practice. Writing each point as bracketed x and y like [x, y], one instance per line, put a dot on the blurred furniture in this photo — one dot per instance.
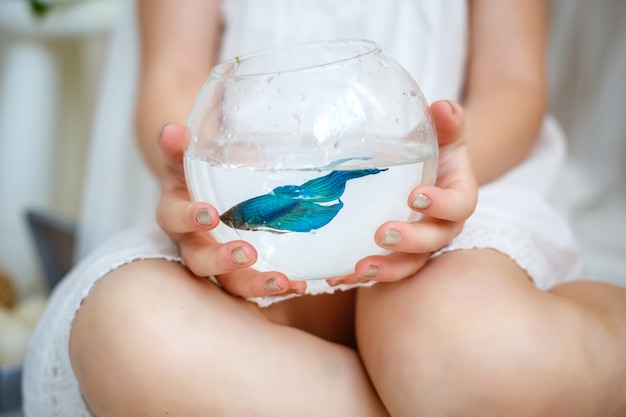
[54, 238]
[10, 394]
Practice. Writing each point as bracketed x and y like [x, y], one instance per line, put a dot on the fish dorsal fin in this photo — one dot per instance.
[330, 187]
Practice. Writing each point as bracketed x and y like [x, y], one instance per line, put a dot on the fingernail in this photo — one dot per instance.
[451, 107]
[160, 133]
[372, 272]
[421, 202]
[203, 217]
[239, 256]
[335, 282]
[271, 285]
[392, 238]
[299, 288]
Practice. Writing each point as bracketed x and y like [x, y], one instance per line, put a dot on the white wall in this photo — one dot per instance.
[49, 78]
[587, 62]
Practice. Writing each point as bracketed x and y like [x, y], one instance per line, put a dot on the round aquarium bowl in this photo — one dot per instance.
[306, 150]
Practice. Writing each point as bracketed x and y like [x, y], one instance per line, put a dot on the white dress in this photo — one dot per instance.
[429, 39]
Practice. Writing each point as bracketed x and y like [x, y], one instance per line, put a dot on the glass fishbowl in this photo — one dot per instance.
[306, 150]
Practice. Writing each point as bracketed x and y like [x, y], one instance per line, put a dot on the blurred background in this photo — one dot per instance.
[51, 66]
[57, 70]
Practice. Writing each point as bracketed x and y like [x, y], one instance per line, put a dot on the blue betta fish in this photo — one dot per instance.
[295, 208]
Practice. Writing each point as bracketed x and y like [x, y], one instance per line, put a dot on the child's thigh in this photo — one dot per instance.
[471, 335]
[152, 338]
[142, 329]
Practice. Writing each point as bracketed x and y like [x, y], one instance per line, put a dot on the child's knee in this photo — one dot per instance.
[459, 350]
[126, 338]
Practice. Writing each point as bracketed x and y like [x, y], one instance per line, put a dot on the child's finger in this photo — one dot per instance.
[173, 141]
[206, 257]
[454, 204]
[180, 216]
[425, 236]
[249, 283]
[392, 267]
[448, 118]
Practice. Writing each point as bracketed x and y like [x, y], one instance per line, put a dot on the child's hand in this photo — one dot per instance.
[445, 207]
[188, 224]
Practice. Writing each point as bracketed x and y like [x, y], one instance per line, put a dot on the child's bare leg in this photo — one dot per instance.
[470, 335]
[151, 339]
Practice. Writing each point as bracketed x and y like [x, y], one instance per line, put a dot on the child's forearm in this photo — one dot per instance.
[179, 45]
[505, 95]
[156, 106]
[502, 125]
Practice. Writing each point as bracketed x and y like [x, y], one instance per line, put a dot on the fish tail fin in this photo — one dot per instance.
[308, 216]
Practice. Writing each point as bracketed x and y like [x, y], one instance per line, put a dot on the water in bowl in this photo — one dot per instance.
[307, 219]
